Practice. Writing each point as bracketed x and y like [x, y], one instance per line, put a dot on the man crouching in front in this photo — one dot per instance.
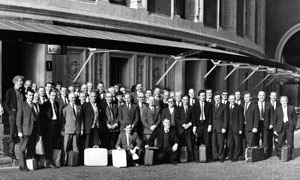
[167, 143]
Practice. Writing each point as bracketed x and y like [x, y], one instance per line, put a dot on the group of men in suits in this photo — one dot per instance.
[74, 119]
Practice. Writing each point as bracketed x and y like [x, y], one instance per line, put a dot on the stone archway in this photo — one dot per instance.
[287, 35]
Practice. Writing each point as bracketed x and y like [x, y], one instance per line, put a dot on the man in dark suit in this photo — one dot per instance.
[141, 102]
[91, 120]
[130, 142]
[238, 99]
[251, 119]
[265, 115]
[100, 92]
[164, 102]
[235, 127]
[169, 112]
[28, 129]
[51, 126]
[209, 95]
[110, 114]
[63, 99]
[220, 126]
[13, 98]
[202, 121]
[178, 99]
[285, 122]
[225, 97]
[167, 143]
[183, 121]
[273, 139]
[128, 113]
[72, 126]
[150, 118]
[192, 98]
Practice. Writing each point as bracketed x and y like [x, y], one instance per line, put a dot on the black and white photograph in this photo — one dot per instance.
[149, 89]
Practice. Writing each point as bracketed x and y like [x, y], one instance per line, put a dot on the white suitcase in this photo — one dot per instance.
[95, 156]
[119, 158]
[31, 164]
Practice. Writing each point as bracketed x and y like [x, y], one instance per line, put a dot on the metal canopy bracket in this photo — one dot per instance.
[93, 51]
[211, 69]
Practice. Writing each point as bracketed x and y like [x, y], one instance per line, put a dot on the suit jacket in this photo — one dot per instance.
[71, 123]
[236, 119]
[267, 114]
[47, 113]
[220, 117]
[278, 120]
[166, 114]
[192, 101]
[25, 118]
[251, 118]
[61, 103]
[182, 117]
[108, 119]
[242, 102]
[208, 113]
[277, 104]
[134, 141]
[127, 117]
[88, 116]
[10, 103]
[159, 134]
[150, 118]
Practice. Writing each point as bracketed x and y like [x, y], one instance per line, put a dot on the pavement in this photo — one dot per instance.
[271, 168]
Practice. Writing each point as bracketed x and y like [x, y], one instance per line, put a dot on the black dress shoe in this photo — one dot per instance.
[234, 160]
[214, 160]
[222, 160]
[51, 166]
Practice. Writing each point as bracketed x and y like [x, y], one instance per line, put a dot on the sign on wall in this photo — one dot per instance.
[54, 49]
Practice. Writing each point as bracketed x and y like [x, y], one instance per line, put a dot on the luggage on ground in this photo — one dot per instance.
[119, 158]
[73, 158]
[31, 164]
[57, 157]
[285, 153]
[202, 153]
[95, 156]
[254, 154]
[184, 155]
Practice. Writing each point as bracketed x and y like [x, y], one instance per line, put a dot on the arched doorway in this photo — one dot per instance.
[288, 52]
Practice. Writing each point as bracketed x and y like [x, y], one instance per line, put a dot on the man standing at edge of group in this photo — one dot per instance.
[13, 98]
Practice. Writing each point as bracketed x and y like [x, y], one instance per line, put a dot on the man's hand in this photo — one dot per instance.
[275, 132]
[132, 126]
[271, 126]
[81, 132]
[223, 131]
[175, 147]
[146, 146]
[240, 132]
[209, 128]
[152, 128]
[194, 130]
[20, 135]
[254, 130]
[109, 126]
[119, 149]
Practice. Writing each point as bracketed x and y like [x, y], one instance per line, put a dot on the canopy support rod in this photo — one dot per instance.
[88, 59]
[249, 76]
[169, 69]
[229, 74]
[215, 65]
[265, 78]
[270, 82]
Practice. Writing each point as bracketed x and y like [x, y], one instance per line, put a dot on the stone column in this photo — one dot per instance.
[179, 83]
[250, 19]
[227, 18]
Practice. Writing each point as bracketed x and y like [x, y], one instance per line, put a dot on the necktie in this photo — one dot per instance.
[231, 106]
[166, 130]
[202, 111]
[217, 105]
[74, 110]
[245, 108]
[185, 109]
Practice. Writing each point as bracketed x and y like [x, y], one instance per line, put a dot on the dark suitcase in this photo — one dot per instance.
[254, 154]
[285, 153]
[73, 158]
[184, 155]
[202, 153]
[149, 154]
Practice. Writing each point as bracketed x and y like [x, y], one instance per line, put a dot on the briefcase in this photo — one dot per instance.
[95, 156]
[184, 155]
[285, 153]
[148, 159]
[31, 164]
[73, 158]
[119, 158]
[41, 161]
[254, 154]
[202, 153]
[57, 157]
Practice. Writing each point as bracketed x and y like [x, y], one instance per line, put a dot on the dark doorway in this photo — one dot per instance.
[119, 73]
